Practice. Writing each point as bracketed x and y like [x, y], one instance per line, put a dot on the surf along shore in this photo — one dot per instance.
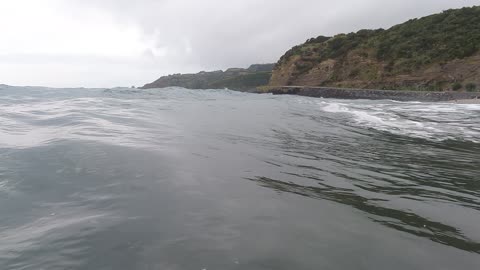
[398, 95]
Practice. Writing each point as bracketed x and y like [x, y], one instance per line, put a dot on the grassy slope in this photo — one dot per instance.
[235, 79]
[243, 82]
[378, 55]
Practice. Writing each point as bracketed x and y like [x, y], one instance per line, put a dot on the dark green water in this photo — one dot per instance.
[177, 179]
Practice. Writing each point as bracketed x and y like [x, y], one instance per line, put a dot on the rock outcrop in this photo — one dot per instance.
[339, 93]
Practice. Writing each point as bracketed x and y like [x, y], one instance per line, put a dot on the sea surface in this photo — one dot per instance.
[125, 179]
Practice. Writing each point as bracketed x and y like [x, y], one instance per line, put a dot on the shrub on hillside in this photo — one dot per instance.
[456, 86]
[470, 87]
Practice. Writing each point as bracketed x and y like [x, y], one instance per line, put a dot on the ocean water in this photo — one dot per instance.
[189, 179]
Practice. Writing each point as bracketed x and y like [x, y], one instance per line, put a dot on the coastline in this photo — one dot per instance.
[397, 95]
[465, 101]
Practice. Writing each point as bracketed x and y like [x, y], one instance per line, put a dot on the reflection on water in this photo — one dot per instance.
[404, 171]
[393, 218]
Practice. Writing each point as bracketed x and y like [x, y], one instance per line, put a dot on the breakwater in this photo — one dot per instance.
[347, 93]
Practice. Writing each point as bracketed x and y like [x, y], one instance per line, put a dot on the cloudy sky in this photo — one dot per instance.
[107, 43]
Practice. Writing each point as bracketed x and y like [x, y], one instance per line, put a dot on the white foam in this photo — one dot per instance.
[423, 120]
[335, 107]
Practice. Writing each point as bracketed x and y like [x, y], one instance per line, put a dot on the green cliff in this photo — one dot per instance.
[438, 52]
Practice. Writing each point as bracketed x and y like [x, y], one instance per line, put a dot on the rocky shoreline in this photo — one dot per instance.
[344, 93]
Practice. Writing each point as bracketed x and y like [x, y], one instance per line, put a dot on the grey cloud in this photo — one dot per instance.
[195, 35]
[236, 33]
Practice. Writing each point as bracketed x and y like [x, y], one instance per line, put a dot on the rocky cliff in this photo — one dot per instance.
[438, 52]
[233, 78]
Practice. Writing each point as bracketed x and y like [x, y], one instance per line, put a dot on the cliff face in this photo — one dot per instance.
[438, 52]
[233, 78]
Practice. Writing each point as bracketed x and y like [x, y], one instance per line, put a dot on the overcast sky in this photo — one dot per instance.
[108, 43]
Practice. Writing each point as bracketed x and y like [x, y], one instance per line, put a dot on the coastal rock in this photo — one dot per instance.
[339, 93]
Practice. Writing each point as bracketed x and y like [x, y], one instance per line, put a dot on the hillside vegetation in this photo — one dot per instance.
[438, 52]
[233, 78]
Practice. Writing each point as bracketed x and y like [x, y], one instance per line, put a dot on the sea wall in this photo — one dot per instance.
[342, 93]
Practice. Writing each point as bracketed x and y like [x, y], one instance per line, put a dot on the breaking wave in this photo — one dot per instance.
[432, 121]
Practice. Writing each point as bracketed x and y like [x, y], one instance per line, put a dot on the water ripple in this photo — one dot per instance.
[142, 179]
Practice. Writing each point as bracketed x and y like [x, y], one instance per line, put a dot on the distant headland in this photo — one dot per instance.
[239, 79]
